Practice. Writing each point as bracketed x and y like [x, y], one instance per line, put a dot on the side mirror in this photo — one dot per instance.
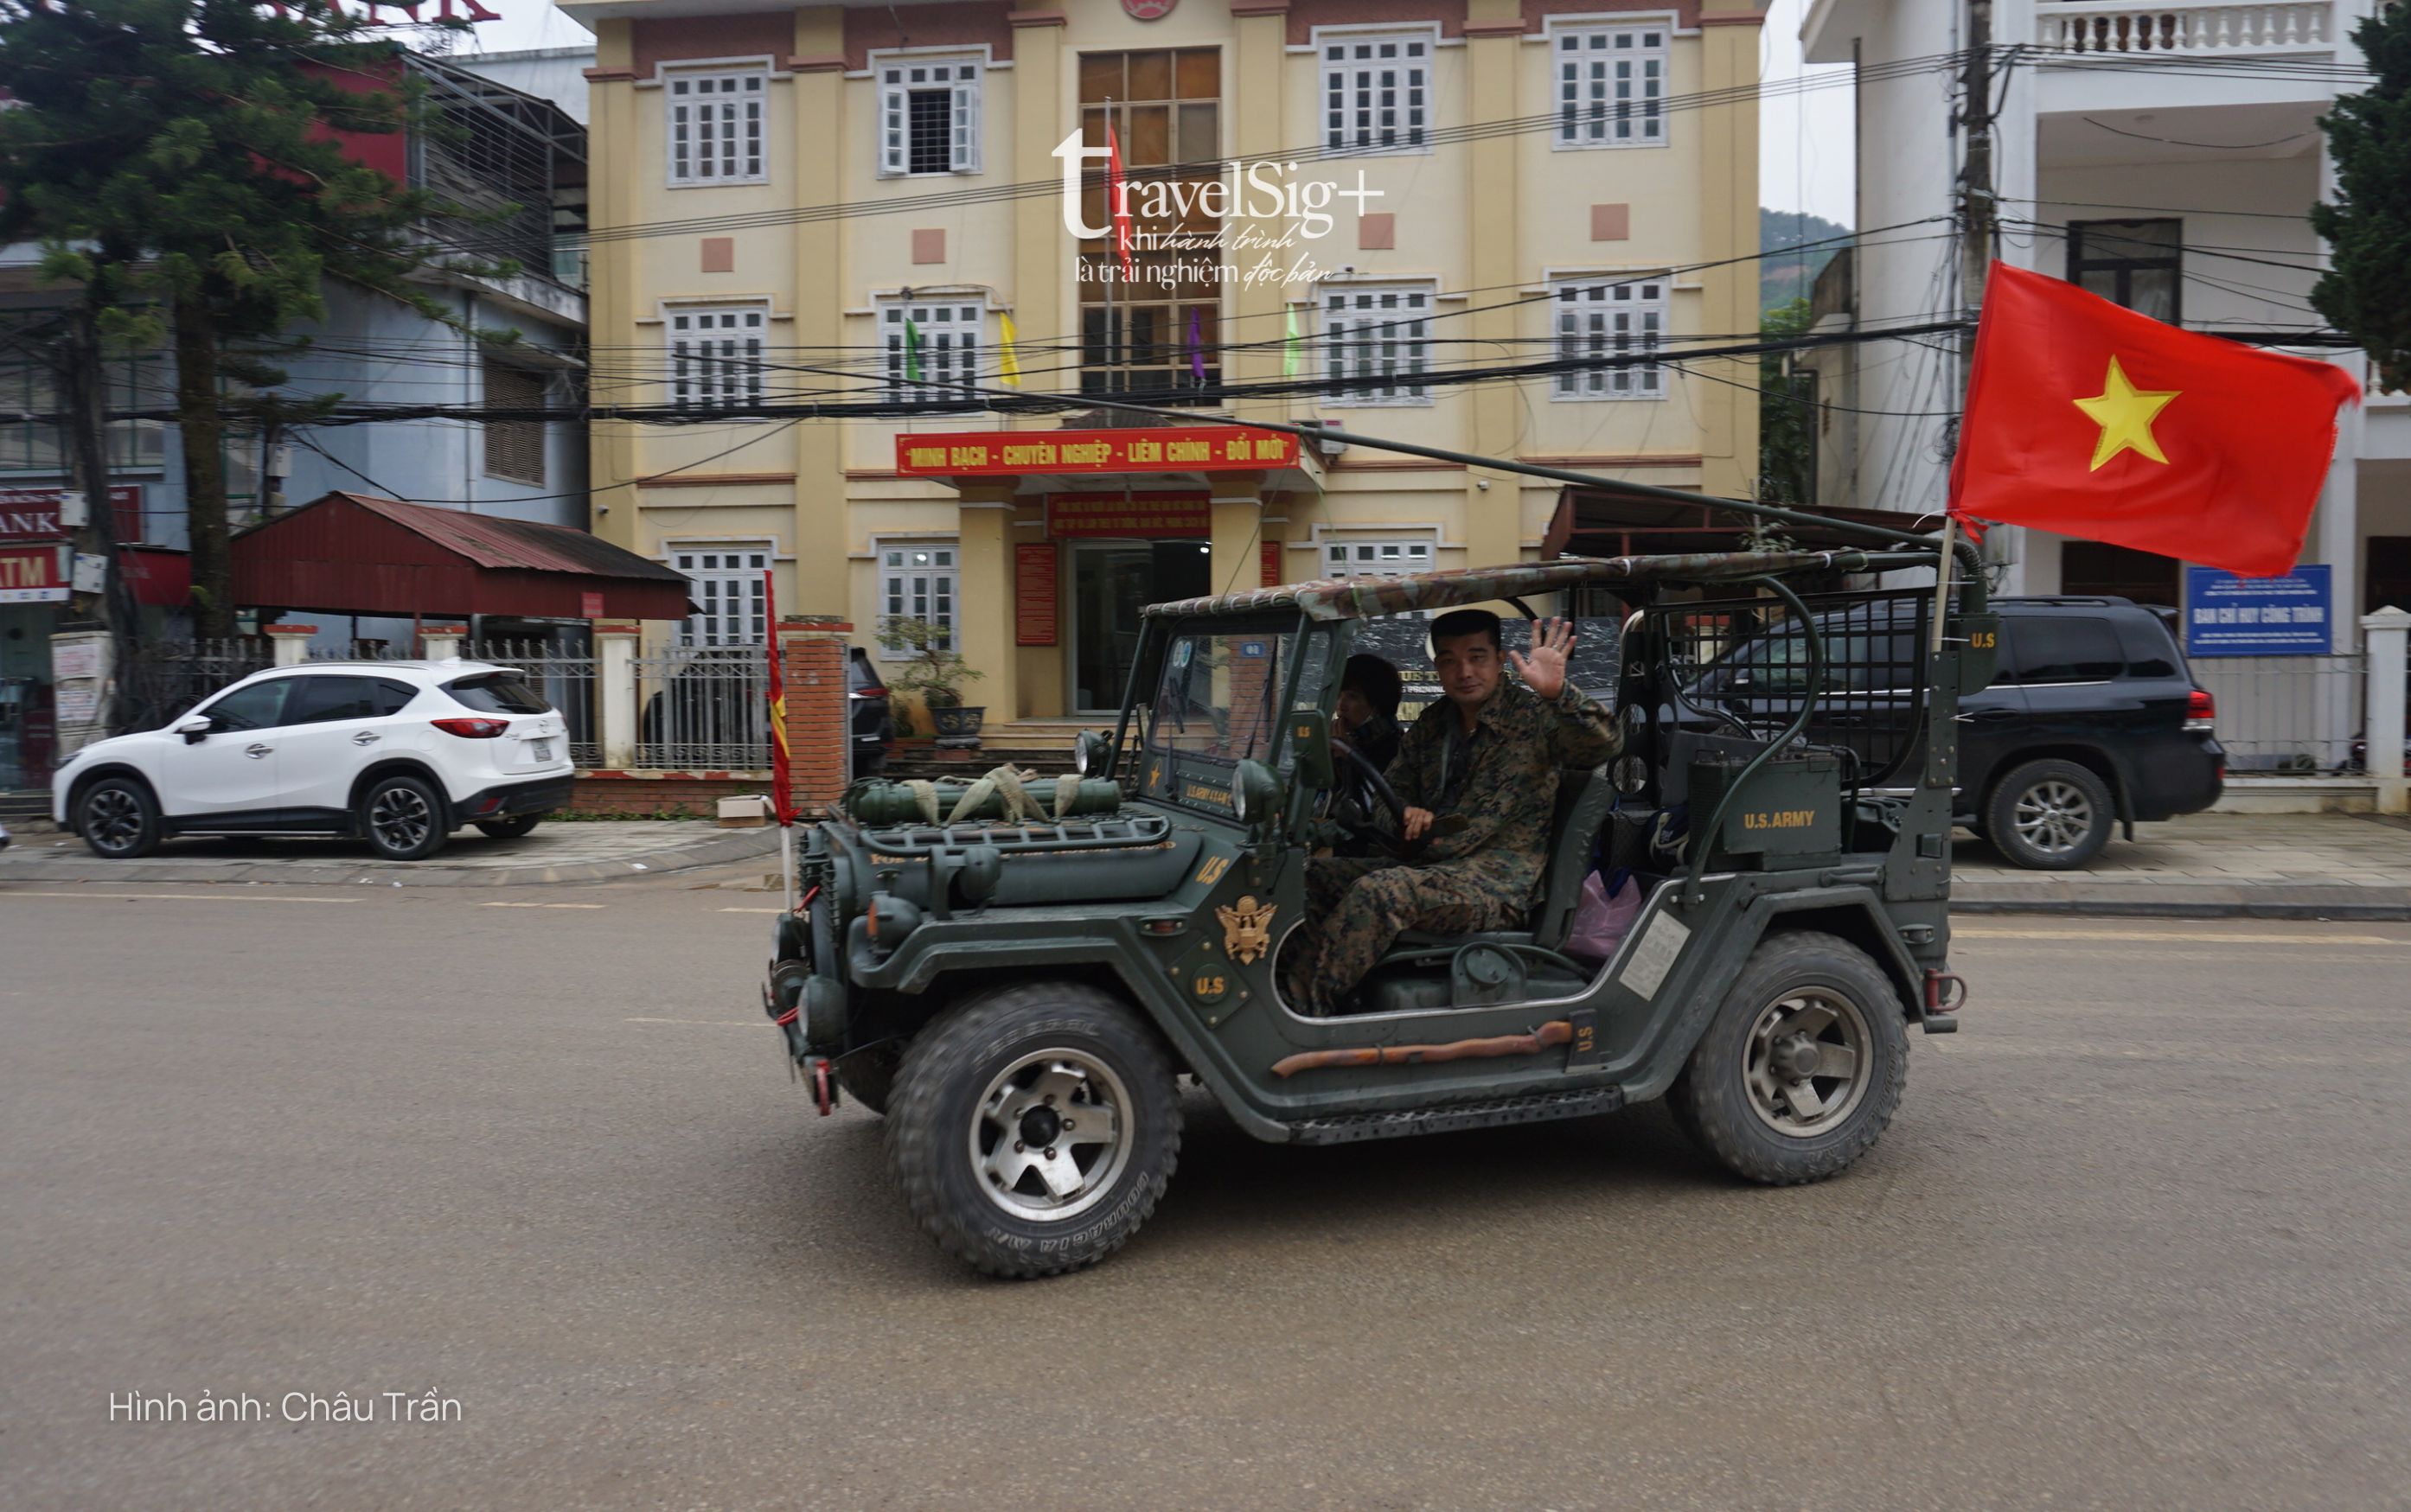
[192, 727]
[1310, 742]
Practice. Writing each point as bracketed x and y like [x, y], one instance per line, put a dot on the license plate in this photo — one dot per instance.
[540, 750]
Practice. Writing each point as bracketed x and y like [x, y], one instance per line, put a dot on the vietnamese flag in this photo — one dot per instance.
[2090, 420]
[1118, 202]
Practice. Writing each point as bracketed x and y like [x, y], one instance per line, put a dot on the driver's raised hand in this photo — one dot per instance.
[1544, 670]
[1418, 821]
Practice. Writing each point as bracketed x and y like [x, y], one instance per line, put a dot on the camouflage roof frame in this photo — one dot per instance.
[1367, 598]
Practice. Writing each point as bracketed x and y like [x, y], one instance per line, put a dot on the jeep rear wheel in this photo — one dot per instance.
[1033, 1129]
[1801, 1066]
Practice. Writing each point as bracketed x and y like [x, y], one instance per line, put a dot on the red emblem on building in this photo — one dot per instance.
[1149, 9]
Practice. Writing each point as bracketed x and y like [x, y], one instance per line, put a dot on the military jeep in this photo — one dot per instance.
[1014, 972]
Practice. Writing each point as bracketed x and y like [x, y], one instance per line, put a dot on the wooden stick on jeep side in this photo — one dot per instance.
[1554, 1032]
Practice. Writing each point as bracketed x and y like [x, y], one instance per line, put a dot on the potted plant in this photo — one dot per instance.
[937, 672]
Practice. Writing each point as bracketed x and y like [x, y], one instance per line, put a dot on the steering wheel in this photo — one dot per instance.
[1346, 811]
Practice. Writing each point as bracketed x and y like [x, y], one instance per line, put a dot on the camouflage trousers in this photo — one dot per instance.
[1355, 907]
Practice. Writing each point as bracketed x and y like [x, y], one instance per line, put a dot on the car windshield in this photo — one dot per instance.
[497, 693]
[1216, 706]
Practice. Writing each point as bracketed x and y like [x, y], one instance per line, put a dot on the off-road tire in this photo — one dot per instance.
[869, 1076]
[1711, 1100]
[385, 830]
[510, 829]
[2051, 775]
[113, 802]
[933, 1110]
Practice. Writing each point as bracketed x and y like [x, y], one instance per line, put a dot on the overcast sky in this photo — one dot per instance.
[1803, 158]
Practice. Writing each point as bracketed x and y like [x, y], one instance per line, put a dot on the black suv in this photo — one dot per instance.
[2092, 718]
[870, 725]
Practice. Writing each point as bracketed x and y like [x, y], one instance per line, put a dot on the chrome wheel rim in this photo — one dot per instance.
[112, 819]
[1808, 1061]
[2054, 817]
[1050, 1135]
[399, 819]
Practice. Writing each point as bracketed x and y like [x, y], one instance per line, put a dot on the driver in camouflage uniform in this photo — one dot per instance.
[1490, 751]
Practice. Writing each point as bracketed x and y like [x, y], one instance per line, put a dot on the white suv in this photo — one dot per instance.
[399, 753]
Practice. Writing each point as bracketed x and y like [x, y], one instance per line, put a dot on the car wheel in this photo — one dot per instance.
[119, 818]
[2050, 815]
[510, 829]
[403, 817]
[1801, 1066]
[1033, 1129]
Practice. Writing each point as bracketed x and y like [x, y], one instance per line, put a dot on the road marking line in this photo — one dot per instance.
[2214, 937]
[540, 904]
[189, 897]
[717, 1024]
[752, 910]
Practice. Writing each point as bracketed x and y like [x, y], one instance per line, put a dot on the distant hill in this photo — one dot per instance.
[1782, 279]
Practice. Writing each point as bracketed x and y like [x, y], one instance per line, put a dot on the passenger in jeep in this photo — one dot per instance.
[1490, 751]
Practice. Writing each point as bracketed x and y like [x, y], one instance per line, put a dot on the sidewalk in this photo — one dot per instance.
[2211, 866]
[572, 851]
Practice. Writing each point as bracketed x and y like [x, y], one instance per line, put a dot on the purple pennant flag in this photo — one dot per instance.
[1196, 349]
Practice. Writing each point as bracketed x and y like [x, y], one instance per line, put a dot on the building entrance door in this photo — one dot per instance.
[1111, 582]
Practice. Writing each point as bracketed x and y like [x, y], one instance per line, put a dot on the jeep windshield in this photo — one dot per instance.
[1217, 704]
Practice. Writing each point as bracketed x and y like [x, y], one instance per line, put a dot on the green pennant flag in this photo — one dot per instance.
[1292, 344]
[912, 351]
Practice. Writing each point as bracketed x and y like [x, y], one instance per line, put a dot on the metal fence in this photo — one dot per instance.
[704, 707]
[164, 679]
[564, 675]
[2282, 714]
[362, 651]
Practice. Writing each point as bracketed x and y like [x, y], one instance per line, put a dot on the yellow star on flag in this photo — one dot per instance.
[2124, 415]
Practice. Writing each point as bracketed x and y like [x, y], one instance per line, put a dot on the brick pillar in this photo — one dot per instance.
[615, 691]
[441, 643]
[812, 654]
[291, 643]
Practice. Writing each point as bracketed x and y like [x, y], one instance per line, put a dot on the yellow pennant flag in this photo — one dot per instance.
[1009, 364]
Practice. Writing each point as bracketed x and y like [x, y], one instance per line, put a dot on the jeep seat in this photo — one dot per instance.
[1585, 798]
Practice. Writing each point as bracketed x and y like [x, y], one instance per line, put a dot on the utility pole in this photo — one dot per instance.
[1977, 218]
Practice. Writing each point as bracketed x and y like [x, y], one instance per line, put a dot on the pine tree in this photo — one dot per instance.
[2366, 292]
[179, 162]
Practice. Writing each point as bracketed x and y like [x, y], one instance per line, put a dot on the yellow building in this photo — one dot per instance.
[849, 203]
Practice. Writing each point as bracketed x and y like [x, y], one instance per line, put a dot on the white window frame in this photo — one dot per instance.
[954, 343]
[1608, 84]
[1363, 335]
[1602, 316]
[1378, 556]
[931, 589]
[717, 363]
[729, 583]
[736, 120]
[896, 77]
[1376, 90]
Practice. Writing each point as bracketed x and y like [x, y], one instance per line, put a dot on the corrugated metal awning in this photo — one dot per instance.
[351, 553]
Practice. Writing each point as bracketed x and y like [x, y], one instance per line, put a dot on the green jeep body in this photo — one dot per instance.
[1154, 893]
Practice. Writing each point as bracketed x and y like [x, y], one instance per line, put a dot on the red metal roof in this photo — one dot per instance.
[351, 553]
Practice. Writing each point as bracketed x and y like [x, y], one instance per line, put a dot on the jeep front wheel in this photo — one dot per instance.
[1033, 1129]
[1801, 1066]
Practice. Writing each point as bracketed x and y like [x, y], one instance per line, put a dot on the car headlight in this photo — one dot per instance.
[1239, 801]
[1255, 789]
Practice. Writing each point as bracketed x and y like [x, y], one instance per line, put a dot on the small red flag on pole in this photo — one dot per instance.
[2090, 420]
[784, 795]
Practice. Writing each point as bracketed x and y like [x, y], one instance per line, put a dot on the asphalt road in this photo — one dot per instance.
[2141, 1237]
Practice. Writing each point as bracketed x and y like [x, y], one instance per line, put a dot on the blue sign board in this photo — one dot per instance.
[2229, 616]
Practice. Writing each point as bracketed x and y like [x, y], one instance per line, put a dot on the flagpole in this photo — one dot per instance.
[1942, 579]
[1113, 259]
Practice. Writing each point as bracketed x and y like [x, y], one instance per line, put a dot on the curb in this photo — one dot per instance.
[737, 845]
[2242, 900]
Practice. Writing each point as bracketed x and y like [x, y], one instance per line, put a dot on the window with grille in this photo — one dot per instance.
[716, 356]
[918, 582]
[1375, 558]
[1611, 86]
[1161, 335]
[514, 449]
[950, 346]
[1595, 320]
[732, 604]
[1377, 338]
[716, 126]
[1377, 93]
[929, 115]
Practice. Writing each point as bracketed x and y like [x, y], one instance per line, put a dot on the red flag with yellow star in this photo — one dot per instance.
[2090, 420]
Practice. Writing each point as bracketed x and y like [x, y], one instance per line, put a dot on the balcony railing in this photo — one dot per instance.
[2195, 27]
